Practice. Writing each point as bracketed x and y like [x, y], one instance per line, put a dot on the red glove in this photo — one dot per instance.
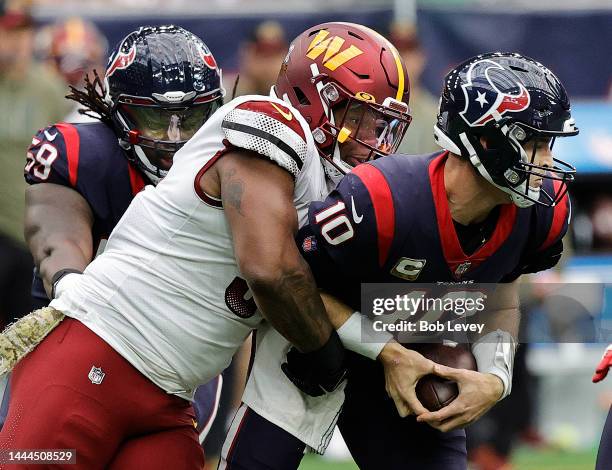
[604, 365]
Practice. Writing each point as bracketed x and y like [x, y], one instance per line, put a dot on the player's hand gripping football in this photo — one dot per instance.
[604, 365]
[403, 369]
[478, 392]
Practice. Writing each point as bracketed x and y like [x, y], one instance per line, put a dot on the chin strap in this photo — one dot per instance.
[154, 174]
[517, 199]
[139, 158]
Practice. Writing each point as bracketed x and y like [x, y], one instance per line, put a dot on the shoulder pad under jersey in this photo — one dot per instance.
[270, 129]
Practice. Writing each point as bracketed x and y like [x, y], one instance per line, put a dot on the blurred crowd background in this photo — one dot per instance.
[47, 45]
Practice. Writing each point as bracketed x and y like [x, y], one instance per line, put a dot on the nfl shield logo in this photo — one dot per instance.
[96, 375]
[309, 244]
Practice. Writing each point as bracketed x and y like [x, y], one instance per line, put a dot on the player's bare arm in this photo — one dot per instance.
[257, 198]
[58, 224]
[337, 312]
[480, 391]
[403, 367]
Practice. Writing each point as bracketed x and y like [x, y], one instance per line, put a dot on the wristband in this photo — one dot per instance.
[494, 354]
[57, 277]
[358, 335]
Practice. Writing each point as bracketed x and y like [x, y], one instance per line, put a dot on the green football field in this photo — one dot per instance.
[524, 459]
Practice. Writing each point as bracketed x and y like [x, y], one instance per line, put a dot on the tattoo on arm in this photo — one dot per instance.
[294, 308]
[233, 190]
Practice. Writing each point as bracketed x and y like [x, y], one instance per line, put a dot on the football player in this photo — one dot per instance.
[83, 176]
[604, 454]
[351, 85]
[489, 208]
[166, 305]
[162, 83]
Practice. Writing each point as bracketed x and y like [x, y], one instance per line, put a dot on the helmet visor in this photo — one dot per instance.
[176, 125]
[378, 127]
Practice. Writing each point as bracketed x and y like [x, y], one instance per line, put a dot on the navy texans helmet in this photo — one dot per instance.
[507, 99]
[162, 83]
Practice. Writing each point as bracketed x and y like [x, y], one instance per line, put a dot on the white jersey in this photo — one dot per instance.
[166, 293]
[272, 395]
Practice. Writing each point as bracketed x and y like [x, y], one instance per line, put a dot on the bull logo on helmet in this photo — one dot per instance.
[207, 57]
[122, 60]
[484, 100]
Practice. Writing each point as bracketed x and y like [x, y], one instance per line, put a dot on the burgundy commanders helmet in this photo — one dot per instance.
[357, 73]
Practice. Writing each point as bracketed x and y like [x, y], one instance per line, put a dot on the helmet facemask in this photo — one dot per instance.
[507, 165]
[155, 133]
[376, 129]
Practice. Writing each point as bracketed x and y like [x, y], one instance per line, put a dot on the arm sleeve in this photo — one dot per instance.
[270, 129]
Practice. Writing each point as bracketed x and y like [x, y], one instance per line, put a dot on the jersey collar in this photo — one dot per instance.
[458, 262]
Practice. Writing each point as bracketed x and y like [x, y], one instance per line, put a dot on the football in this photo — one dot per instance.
[436, 392]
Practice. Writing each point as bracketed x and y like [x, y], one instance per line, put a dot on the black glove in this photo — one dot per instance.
[317, 372]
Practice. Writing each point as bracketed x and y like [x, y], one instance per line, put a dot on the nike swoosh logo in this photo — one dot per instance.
[287, 115]
[356, 218]
[50, 137]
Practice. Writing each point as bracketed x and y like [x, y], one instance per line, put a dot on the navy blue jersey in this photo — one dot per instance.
[86, 157]
[389, 221]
